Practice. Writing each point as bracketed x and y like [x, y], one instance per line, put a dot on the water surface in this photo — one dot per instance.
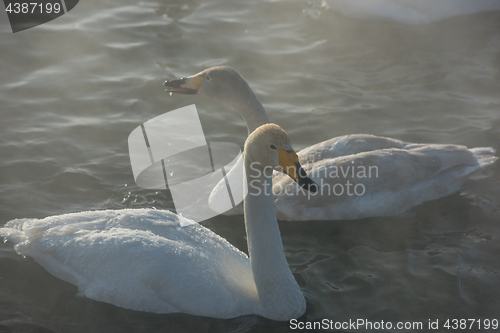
[73, 89]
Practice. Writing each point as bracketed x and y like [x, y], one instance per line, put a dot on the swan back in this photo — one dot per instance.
[141, 259]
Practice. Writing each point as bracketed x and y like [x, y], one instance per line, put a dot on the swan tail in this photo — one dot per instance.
[485, 156]
[25, 233]
[14, 232]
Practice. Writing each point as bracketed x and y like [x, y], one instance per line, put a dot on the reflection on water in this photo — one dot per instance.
[73, 90]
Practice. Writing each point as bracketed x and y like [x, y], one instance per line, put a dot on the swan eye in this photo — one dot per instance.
[207, 78]
[272, 146]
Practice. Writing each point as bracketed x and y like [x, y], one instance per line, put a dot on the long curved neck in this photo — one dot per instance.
[279, 294]
[249, 107]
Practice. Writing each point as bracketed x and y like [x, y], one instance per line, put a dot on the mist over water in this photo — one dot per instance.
[72, 91]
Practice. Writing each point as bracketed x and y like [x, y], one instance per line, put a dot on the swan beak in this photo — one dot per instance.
[289, 161]
[187, 85]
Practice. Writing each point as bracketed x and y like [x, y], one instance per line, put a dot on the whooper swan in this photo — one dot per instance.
[359, 175]
[141, 259]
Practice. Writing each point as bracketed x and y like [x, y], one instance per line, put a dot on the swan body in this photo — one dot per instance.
[404, 174]
[142, 259]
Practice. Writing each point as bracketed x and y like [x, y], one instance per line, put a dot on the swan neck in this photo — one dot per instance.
[279, 294]
[250, 108]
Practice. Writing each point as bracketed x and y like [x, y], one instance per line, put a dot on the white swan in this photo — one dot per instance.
[141, 259]
[359, 175]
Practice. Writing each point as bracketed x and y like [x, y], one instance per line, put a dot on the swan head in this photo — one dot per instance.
[270, 147]
[227, 86]
[222, 83]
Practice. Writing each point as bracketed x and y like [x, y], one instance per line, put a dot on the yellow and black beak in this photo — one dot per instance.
[187, 85]
[289, 162]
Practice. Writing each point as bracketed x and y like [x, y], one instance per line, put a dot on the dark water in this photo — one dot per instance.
[72, 90]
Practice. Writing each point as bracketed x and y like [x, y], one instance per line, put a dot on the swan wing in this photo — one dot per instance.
[347, 145]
